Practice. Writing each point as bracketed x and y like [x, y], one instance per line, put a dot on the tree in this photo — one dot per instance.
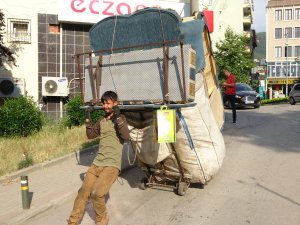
[232, 55]
[5, 53]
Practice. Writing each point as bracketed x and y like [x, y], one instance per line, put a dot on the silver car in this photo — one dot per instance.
[294, 95]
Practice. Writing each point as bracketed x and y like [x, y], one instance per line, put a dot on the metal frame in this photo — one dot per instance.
[95, 78]
[180, 181]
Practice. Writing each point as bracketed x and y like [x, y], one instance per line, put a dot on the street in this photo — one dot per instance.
[259, 182]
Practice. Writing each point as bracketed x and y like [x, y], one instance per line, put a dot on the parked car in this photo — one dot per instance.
[294, 95]
[245, 96]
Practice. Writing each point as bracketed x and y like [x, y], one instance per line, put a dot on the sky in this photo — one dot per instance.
[259, 17]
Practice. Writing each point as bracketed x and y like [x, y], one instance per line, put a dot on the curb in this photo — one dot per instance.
[20, 220]
[14, 175]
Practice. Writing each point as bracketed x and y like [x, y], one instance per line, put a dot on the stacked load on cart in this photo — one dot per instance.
[152, 58]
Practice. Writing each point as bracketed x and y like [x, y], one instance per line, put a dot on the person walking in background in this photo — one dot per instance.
[112, 131]
[230, 88]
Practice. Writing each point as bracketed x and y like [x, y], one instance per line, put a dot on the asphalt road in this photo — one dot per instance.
[259, 182]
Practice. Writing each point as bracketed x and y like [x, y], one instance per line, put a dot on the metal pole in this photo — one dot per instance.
[25, 192]
[286, 64]
[60, 65]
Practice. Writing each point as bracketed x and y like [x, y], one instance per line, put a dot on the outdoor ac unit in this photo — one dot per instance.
[55, 86]
[12, 87]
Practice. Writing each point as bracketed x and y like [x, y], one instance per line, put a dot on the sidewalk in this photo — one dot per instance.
[50, 184]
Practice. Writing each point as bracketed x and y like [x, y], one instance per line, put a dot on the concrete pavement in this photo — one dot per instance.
[50, 184]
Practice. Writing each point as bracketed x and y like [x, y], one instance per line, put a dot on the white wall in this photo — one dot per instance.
[227, 14]
[27, 55]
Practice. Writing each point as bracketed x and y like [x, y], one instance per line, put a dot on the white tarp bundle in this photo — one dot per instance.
[200, 146]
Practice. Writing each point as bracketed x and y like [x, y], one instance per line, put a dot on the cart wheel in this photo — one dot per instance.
[143, 184]
[182, 188]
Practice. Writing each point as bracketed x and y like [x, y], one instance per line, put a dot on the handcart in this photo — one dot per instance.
[152, 59]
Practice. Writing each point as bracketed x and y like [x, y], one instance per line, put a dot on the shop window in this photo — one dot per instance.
[278, 71]
[19, 30]
[271, 71]
[298, 69]
[293, 70]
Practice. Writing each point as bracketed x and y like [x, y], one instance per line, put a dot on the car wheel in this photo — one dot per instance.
[292, 101]
[257, 105]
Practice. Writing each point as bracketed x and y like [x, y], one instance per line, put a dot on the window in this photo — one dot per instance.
[278, 14]
[19, 30]
[297, 32]
[278, 71]
[278, 33]
[297, 14]
[288, 51]
[288, 14]
[297, 51]
[293, 69]
[53, 28]
[297, 87]
[288, 32]
[278, 52]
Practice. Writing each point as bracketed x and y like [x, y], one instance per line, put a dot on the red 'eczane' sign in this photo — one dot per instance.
[91, 11]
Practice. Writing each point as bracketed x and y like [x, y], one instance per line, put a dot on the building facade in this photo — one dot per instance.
[283, 44]
[46, 35]
[238, 18]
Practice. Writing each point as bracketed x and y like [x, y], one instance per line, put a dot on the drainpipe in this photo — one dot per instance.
[194, 6]
[60, 65]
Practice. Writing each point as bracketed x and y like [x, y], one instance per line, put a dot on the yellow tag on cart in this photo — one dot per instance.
[166, 125]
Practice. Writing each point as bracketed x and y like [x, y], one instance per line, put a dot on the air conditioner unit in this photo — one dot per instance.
[12, 87]
[55, 86]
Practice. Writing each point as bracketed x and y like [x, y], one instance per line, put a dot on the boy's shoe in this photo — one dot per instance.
[103, 221]
[72, 223]
[233, 121]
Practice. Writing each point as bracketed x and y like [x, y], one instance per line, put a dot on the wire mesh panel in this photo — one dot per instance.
[143, 76]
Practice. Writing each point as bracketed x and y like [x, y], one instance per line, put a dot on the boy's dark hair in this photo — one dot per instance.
[109, 95]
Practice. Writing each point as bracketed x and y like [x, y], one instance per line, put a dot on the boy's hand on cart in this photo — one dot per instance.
[116, 113]
[88, 113]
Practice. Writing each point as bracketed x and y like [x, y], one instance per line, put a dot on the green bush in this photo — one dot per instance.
[274, 100]
[20, 117]
[26, 162]
[75, 115]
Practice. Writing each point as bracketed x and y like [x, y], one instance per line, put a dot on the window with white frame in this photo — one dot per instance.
[297, 51]
[278, 14]
[19, 30]
[288, 32]
[288, 14]
[297, 14]
[288, 51]
[278, 51]
[278, 33]
[297, 32]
